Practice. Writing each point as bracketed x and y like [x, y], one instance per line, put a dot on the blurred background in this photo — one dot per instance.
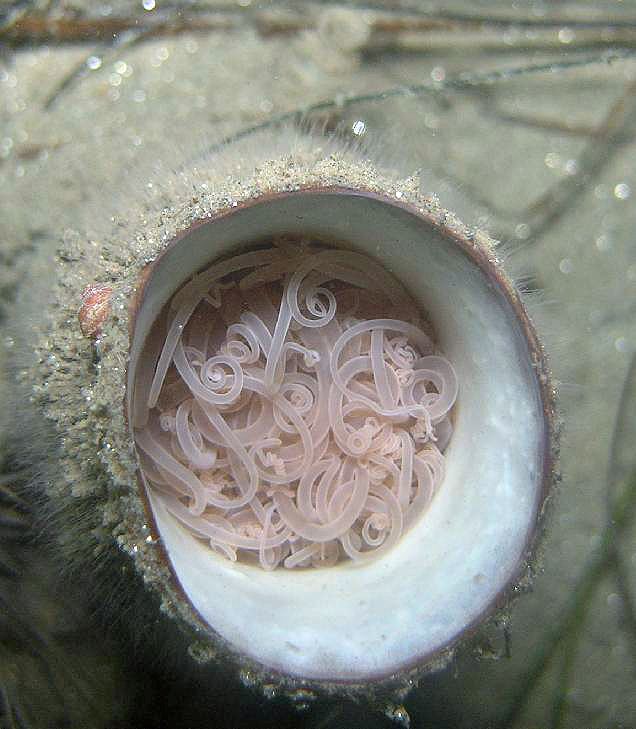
[522, 118]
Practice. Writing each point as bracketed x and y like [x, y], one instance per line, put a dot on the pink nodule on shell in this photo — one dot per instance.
[95, 302]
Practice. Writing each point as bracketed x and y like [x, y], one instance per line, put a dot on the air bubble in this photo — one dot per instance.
[621, 344]
[622, 191]
[359, 127]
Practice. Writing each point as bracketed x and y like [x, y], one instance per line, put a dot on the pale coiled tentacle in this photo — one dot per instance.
[289, 416]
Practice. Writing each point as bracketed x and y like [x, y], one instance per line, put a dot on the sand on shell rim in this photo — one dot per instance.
[482, 256]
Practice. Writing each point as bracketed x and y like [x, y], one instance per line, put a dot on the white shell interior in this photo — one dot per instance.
[358, 623]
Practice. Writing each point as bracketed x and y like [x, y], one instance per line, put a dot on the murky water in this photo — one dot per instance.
[522, 120]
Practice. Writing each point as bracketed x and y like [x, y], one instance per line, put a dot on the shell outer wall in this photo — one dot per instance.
[89, 377]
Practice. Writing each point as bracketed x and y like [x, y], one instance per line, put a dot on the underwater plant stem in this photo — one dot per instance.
[620, 513]
[601, 561]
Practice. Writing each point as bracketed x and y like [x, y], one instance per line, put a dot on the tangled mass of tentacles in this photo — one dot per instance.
[290, 416]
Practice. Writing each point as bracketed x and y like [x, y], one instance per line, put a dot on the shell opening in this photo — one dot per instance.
[278, 433]
[358, 620]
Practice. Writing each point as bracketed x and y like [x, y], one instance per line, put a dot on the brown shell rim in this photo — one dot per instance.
[490, 267]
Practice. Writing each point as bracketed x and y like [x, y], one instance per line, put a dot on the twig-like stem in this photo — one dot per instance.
[553, 204]
[628, 606]
[463, 82]
[620, 514]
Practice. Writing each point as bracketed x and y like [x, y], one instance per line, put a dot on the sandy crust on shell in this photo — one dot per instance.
[80, 384]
